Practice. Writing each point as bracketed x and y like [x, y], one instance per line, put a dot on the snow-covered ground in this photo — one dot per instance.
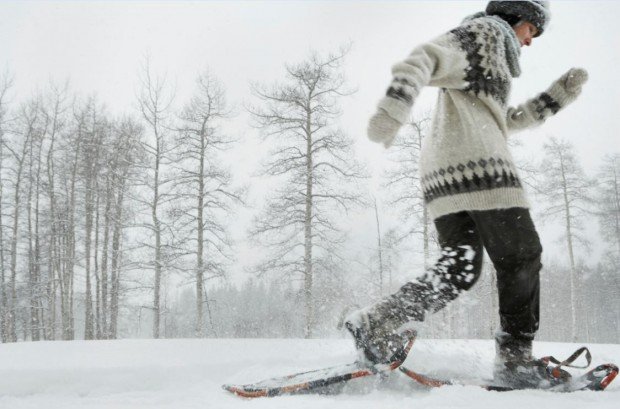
[189, 373]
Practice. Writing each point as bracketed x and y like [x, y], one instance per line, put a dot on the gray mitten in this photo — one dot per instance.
[568, 87]
[574, 80]
[382, 128]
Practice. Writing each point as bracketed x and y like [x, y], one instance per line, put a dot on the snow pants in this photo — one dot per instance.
[513, 245]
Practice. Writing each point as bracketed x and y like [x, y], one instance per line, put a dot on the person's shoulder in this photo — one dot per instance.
[481, 27]
[481, 22]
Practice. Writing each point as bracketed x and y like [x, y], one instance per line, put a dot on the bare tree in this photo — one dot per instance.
[127, 154]
[404, 187]
[6, 82]
[155, 100]
[35, 260]
[69, 165]
[92, 130]
[203, 187]
[53, 110]
[608, 187]
[381, 262]
[27, 127]
[121, 159]
[565, 189]
[387, 257]
[103, 277]
[314, 159]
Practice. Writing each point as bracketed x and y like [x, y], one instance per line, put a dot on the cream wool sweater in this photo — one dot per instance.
[465, 162]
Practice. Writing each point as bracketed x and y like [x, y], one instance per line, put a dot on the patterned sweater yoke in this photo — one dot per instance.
[465, 162]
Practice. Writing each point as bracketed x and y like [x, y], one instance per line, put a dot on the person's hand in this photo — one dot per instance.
[573, 80]
[567, 88]
[382, 128]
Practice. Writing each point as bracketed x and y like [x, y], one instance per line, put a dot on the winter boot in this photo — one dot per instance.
[378, 332]
[516, 368]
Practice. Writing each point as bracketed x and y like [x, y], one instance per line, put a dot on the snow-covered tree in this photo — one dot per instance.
[155, 100]
[314, 160]
[566, 192]
[404, 188]
[27, 127]
[6, 82]
[203, 188]
[608, 199]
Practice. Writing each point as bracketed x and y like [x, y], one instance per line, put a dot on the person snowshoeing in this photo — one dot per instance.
[471, 185]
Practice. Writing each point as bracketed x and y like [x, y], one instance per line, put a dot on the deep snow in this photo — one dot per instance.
[189, 374]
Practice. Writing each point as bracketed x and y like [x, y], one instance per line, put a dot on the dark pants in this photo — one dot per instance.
[510, 239]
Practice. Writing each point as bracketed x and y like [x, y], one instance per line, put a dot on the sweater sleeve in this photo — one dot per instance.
[537, 110]
[438, 63]
[531, 113]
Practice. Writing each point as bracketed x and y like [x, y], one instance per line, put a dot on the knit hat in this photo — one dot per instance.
[532, 11]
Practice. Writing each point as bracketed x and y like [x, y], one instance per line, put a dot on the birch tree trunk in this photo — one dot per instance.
[308, 278]
[123, 162]
[29, 116]
[155, 102]
[54, 259]
[571, 254]
[68, 278]
[38, 262]
[4, 305]
[116, 262]
[91, 171]
[201, 293]
[99, 328]
[158, 249]
[6, 83]
[33, 242]
[104, 255]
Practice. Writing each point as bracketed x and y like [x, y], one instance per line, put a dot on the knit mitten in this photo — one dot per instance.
[567, 88]
[382, 128]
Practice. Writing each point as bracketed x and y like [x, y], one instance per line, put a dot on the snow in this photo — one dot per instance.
[189, 373]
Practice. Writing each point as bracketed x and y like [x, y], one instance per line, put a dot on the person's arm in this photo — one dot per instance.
[536, 110]
[439, 63]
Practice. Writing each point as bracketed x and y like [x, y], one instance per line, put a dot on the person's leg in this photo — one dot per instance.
[457, 269]
[376, 328]
[513, 245]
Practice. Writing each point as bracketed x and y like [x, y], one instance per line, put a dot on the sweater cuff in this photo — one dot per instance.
[396, 109]
[559, 94]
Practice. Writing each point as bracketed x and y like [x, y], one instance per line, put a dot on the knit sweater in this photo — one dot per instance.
[465, 161]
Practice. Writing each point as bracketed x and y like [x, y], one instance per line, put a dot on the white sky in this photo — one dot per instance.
[99, 47]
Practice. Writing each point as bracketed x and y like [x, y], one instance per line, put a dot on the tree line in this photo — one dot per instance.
[95, 208]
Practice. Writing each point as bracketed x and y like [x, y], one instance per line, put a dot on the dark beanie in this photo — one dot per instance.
[532, 11]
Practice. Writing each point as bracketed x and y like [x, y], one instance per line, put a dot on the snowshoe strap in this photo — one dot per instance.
[568, 361]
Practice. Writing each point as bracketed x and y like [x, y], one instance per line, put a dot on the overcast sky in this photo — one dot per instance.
[99, 46]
